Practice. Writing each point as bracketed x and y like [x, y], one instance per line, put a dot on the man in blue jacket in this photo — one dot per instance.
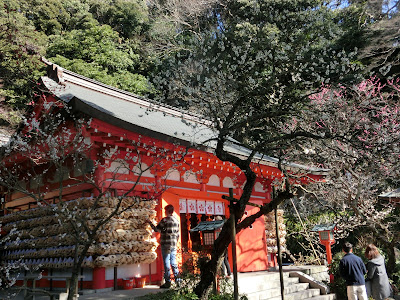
[352, 269]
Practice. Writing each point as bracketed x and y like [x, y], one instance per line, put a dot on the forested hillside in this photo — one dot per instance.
[115, 42]
[123, 42]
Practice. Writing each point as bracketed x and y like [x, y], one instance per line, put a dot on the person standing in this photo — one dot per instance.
[377, 281]
[226, 267]
[352, 269]
[169, 229]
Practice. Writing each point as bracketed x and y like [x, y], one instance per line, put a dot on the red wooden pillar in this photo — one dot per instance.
[159, 261]
[273, 261]
[99, 278]
[99, 274]
[327, 245]
[96, 156]
[158, 188]
[188, 229]
[201, 234]
[43, 282]
[99, 178]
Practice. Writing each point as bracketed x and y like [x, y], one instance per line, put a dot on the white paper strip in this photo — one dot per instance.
[191, 206]
[182, 206]
[201, 207]
[209, 207]
[219, 208]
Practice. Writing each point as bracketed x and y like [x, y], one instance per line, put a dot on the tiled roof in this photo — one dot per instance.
[137, 114]
[391, 194]
[208, 225]
[323, 227]
[127, 110]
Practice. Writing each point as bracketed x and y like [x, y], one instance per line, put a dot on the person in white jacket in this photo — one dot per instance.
[377, 281]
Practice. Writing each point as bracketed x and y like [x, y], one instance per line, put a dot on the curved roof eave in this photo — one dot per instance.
[395, 194]
[136, 114]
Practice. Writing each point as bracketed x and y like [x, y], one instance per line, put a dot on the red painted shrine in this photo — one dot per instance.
[190, 178]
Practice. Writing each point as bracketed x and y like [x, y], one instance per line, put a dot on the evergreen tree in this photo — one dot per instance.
[20, 49]
[98, 52]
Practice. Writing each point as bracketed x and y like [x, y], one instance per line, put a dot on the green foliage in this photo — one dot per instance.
[169, 295]
[178, 294]
[69, 35]
[294, 239]
[55, 16]
[338, 286]
[298, 238]
[12, 118]
[20, 50]
[98, 44]
[79, 15]
[186, 286]
[129, 18]
[354, 18]
[97, 52]
[184, 292]
[48, 16]
[125, 80]
[396, 275]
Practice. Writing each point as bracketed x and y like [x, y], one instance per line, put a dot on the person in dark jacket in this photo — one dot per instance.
[225, 266]
[377, 281]
[169, 229]
[352, 269]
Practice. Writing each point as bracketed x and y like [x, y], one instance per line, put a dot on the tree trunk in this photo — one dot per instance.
[209, 270]
[73, 283]
[79, 257]
[224, 239]
[391, 251]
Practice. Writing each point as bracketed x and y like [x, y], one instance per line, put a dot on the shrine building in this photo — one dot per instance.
[189, 176]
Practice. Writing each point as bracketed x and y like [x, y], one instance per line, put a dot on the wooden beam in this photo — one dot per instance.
[51, 194]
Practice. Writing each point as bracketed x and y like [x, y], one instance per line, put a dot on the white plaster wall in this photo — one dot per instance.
[87, 272]
[258, 187]
[173, 174]
[189, 176]
[214, 180]
[118, 167]
[138, 169]
[129, 271]
[228, 183]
